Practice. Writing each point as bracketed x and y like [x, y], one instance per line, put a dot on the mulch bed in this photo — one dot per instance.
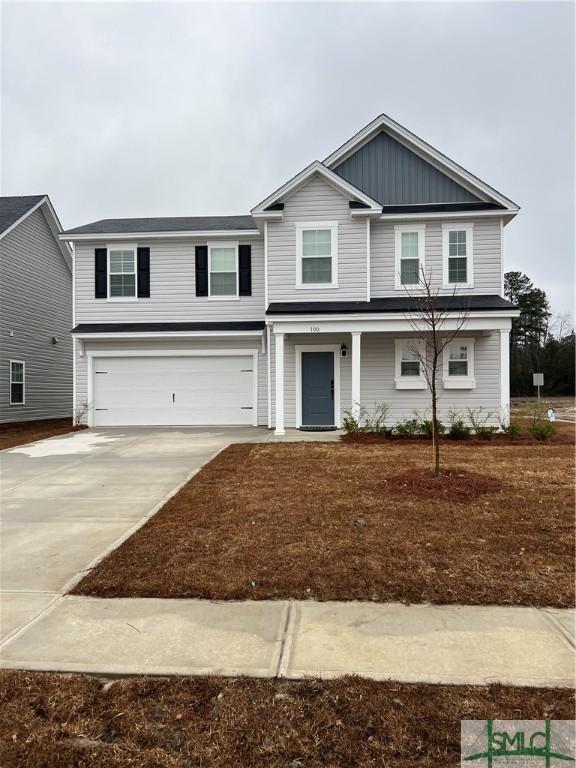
[23, 432]
[60, 721]
[451, 485]
[318, 521]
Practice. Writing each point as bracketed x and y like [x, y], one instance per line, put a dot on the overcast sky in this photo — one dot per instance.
[170, 109]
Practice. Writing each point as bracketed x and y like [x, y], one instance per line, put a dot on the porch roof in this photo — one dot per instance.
[397, 304]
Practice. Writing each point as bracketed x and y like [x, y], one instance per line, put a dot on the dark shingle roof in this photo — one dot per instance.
[474, 302]
[246, 325]
[13, 208]
[170, 224]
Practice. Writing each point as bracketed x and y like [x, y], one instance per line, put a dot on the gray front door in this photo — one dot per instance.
[318, 389]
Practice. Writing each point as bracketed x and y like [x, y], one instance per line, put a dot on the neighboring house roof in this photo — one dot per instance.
[422, 149]
[167, 224]
[256, 325]
[12, 209]
[15, 210]
[473, 303]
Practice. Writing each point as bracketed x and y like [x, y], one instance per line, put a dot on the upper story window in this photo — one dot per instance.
[459, 364]
[122, 272]
[409, 365]
[316, 250]
[457, 255]
[409, 255]
[223, 270]
[17, 376]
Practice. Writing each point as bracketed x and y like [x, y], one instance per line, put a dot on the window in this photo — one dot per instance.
[316, 250]
[122, 272]
[409, 362]
[459, 364]
[409, 249]
[223, 270]
[409, 368]
[17, 382]
[457, 245]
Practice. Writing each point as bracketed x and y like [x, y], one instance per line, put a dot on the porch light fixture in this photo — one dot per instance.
[343, 351]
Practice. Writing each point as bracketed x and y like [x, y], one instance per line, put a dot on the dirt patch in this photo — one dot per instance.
[315, 520]
[24, 432]
[452, 485]
[68, 720]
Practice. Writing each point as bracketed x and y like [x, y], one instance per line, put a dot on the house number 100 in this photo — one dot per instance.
[314, 329]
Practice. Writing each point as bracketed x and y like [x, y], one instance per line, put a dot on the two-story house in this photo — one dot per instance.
[35, 312]
[290, 316]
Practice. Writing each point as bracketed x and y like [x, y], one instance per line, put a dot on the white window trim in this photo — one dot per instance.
[121, 247]
[459, 382]
[467, 227]
[420, 229]
[409, 382]
[306, 225]
[224, 244]
[23, 364]
[335, 349]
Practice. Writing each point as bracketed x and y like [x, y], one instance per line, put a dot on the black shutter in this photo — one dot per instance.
[201, 270]
[100, 273]
[245, 270]
[143, 273]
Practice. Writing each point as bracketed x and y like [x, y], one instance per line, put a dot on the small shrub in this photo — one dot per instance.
[478, 419]
[484, 432]
[408, 428]
[426, 427]
[459, 430]
[366, 421]
[512, 430]
[541, 430]
[79, 414]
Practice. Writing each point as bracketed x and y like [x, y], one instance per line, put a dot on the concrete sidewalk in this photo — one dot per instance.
[437, 644]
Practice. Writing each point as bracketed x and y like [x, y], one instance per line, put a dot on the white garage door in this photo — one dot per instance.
[164, 391]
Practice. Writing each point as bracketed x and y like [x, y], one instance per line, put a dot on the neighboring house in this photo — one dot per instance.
[290, 316]
[35, 312]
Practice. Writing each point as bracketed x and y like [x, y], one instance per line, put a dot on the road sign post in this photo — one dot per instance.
[538, 381]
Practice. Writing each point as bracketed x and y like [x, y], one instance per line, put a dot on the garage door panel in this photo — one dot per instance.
[196, 390]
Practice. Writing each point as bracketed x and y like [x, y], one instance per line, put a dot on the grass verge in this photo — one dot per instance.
[71, 720]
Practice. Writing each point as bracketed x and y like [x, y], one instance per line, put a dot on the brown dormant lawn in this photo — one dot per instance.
[332, 521]
[23, 432]
[70, 720]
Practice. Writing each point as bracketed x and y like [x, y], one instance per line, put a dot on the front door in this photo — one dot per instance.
[317, 389]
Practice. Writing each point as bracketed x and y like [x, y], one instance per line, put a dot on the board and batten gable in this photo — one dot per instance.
[486, 255]
[317, 201]
[35, 306]
[172, 287]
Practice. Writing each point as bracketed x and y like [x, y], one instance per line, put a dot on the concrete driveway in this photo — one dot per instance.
[67, 500]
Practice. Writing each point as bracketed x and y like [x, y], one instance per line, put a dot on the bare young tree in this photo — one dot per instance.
[437, 321]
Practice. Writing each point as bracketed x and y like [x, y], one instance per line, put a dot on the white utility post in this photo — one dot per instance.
[279, 341]
[505, 376]
[356, 355]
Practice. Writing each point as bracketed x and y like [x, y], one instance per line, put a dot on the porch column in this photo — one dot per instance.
[356, 345]
[505, 376]
[279, 339]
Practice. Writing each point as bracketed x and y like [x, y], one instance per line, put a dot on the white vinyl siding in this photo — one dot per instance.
[172, 288]
[487, 257]
[317, 201]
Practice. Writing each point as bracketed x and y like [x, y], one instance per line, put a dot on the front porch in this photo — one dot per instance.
[319, 369]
